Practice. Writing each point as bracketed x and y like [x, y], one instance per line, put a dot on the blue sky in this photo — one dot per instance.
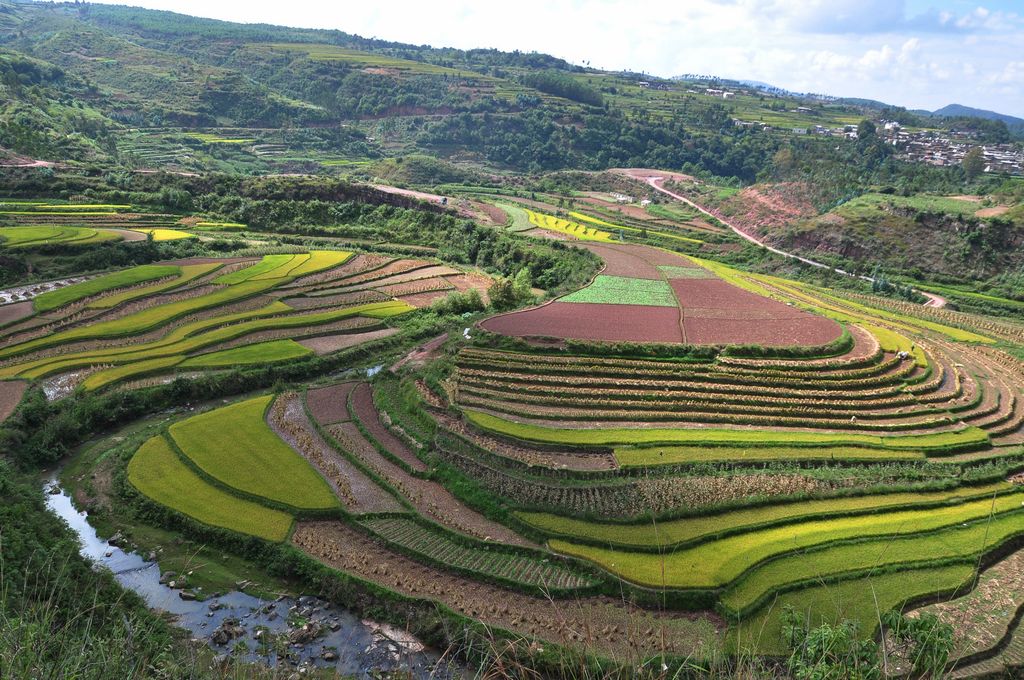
[914, 53]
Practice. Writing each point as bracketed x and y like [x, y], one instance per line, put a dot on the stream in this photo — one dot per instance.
[291, 632]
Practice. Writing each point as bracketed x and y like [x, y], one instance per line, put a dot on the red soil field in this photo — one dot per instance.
[587, 321]
[812, 330]
[329, 405]
[717, 294]
[625, 261]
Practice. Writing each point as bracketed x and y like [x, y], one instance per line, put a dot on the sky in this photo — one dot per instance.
[912, 53]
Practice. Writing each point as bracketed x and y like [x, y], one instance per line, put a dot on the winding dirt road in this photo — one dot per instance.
[654, 181]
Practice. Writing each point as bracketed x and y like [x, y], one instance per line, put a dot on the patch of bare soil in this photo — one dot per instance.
[15, 312]
[10, 396]
[422, 354]
[622, 630]
[994, 211]
[329, 405]
[326, 344]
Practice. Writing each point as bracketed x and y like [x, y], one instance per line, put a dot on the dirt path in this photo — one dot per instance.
[655, 182]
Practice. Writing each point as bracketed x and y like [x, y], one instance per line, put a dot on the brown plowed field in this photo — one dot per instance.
[587, 321]
[768, 332]
[10, 396]
[326, 344]
[621, 262]
[15, 311]
[364, 409]
[329, 405]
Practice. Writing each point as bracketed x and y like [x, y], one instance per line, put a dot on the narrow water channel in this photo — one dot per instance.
[261, 631]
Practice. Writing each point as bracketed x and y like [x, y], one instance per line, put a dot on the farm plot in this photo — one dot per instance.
[235, 446]
[30, 237]
[168, 337]
[985, 616]
[621, 630]
[720, 562]
[438, 548]
[156, 471]
[674, 533]
[566, 227]
[102, 284]
[619, 290]
[706, 310]
[11, 392]
[860, 600]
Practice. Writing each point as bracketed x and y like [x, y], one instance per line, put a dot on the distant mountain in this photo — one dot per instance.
[959, 110]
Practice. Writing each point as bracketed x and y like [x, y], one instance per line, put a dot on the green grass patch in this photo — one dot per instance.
[627, 436]
[629, 456]
[955, 543]
[862, 600]
[673, 272]
[235, 446]
[100, 284]
[654, 534]
[621, 290]
[719, 562]
[157, 472]
[259, 353]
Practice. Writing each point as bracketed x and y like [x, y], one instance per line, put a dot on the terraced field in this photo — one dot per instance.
[216, 314]
[839, 474]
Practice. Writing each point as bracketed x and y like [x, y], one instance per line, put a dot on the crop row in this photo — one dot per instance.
[720, 562]
[670, 534]
[440, 549]
[583, 418]
[963, 438]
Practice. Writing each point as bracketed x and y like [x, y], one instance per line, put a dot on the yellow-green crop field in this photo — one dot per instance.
[235, 446]
[157, 472]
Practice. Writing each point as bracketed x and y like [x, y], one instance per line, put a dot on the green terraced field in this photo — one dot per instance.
[674, 532]
[260, 353]
[620, 290]
[101, 284]
[963, 543]
[157, 472]
[625, 436]
[190, 338]
[189, 273]
[27, 237]
[861, 600]
[718, 563]
[235, 446]
[269, 263]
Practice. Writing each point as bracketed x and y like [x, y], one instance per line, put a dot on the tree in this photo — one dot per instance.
[866, 129]
[973, 163]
